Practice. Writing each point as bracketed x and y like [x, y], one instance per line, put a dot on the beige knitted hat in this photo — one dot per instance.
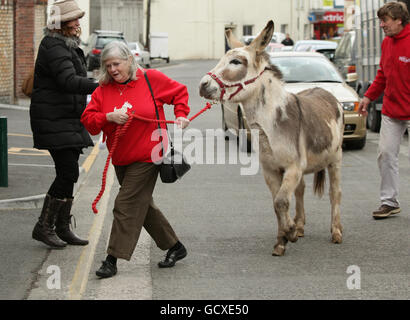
[63, 11]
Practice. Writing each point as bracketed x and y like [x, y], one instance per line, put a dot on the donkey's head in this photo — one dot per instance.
[239, 68]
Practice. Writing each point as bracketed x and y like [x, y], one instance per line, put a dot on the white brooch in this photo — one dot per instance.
[124, 108]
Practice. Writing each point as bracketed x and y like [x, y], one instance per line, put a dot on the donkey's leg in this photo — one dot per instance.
[273, 180]
[335, 199]
[291, 179]
[300, 209]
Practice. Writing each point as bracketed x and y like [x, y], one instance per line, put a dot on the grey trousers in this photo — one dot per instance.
[134, 208]
[391, 135]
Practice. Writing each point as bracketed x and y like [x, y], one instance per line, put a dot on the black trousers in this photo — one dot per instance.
[67, 172]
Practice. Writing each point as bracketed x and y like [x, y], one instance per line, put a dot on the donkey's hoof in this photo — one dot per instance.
[278, 250]
[337, 237]
[300, 232]
[292, 234]
[292, 237]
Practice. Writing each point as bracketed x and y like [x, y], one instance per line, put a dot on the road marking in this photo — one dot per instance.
[91, 158]
[20, 135]
[82, 271]
[32, 165]
[29, 152]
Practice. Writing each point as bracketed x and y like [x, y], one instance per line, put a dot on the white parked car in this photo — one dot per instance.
[143, 56]
[305, 70]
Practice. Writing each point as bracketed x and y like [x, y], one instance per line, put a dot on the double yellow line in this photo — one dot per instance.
[79, 282]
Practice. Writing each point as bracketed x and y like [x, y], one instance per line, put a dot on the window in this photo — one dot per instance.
[247, 30]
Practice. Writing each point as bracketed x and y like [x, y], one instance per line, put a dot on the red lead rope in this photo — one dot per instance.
[120, 131]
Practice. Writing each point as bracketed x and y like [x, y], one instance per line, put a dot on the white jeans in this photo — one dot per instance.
[391, 134]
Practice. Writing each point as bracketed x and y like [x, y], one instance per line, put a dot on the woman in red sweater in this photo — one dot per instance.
[123, 87]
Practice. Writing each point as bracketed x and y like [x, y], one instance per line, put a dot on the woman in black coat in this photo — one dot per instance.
[57, 103]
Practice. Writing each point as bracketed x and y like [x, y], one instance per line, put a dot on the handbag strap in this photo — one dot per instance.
[157, 113]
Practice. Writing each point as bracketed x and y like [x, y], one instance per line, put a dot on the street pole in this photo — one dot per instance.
[147, 44]
[3, 153]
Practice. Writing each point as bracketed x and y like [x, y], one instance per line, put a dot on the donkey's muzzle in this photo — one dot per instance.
[206, 89]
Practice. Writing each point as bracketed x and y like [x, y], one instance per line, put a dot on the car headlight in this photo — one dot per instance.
[350, 106]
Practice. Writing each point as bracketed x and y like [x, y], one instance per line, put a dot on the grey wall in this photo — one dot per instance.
[124, 15]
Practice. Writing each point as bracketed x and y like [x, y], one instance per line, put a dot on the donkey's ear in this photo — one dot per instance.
[263, 39]
[232, 41]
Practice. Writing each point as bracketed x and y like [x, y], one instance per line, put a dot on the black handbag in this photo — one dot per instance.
[174, 164]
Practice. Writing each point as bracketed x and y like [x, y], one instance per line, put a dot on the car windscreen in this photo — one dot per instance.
[102, 41]
[306, 69]
[343, 50]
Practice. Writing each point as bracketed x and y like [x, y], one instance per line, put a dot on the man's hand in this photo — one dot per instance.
[363, 105]
[182, 122]
[118, 117]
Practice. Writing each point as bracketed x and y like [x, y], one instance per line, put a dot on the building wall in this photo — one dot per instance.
[85, 21]
[125, 15]
[6, 52]
[196, 27]
[24, 42]
[40, 22]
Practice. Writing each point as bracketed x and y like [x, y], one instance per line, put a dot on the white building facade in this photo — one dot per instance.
[196, 27]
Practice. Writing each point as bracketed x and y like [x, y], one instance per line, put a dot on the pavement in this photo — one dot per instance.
[31, 171]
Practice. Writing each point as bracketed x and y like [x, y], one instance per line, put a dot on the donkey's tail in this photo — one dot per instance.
[319, 182]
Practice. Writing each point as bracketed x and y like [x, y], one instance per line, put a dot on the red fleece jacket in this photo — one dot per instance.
[136, 145]
[394, 76]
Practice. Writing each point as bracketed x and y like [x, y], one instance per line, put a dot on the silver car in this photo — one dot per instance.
[143, 56]
[305, 70]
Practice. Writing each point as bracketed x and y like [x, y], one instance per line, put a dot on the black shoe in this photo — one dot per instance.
[173, 256]
[107, 270]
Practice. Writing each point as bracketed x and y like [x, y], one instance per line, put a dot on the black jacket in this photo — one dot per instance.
[59, 94]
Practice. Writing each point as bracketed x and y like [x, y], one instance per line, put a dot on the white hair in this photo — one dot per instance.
[117, 50]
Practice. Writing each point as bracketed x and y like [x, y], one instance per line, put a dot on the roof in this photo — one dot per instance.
[296, 54]
[320, 43]
[109, 32]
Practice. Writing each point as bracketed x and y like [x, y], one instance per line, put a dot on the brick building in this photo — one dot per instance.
[21, 30]
[6, 51]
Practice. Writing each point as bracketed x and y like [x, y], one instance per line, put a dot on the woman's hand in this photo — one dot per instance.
[182, 122]
[118, 117]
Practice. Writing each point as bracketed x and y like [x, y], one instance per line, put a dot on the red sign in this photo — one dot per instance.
[333, 17]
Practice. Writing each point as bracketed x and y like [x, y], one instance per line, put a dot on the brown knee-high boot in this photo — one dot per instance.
[44, 229]
[63, 225]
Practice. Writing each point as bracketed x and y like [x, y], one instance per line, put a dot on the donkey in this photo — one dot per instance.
[298, 134]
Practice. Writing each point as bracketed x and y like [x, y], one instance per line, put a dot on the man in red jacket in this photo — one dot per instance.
[393, 78]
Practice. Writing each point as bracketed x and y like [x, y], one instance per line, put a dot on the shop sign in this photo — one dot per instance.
[328, 3]
[333, 17]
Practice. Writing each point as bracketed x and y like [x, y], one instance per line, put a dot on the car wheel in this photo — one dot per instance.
[244, 143]
[373, 118]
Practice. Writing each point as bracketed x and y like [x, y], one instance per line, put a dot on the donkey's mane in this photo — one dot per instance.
[276, 72]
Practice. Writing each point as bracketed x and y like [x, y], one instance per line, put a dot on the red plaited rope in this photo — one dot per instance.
[120, 131]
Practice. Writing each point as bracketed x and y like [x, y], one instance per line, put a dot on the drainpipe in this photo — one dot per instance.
[147, 42]
[3, 153]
